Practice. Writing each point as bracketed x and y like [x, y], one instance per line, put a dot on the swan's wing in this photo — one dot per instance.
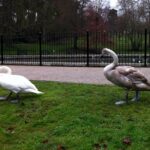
[23, 83]
[125, 70]
[137, 77]
[15, 83]
[7, 82]
[134, 75]
[27, 86]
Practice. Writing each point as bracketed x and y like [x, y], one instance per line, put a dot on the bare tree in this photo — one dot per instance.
[135, 14]
[144, 12]
[129, 9]
[26, 16]
[112, 20]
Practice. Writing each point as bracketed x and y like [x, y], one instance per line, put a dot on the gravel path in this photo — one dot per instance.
[91, 75]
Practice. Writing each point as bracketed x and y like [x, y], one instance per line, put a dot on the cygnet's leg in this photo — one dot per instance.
[126, 96]
[137, 96]
[15, 100]
[126, 99]
[9, 96]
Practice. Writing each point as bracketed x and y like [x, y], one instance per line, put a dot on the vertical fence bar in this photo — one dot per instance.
[2, 54]
[40, 48]
[87, 46]
[145, 48]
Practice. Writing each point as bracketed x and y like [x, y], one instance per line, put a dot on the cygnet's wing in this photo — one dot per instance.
[138, 77]
[132, 74]
[125, 70]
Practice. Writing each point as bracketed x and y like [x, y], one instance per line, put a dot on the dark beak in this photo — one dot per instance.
[101, 55]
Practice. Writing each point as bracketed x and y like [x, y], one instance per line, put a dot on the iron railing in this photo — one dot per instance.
[75, 49]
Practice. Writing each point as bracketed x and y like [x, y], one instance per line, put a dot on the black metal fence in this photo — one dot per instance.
[75, 49]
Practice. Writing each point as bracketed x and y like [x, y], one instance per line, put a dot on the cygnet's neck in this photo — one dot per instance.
[115, 60]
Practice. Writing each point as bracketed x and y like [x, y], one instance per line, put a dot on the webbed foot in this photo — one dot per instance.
[2, 98]
[120, 102]
[137, 97]
[14, 101]
[134, 100]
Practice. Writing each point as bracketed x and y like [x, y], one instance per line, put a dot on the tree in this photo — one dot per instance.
[112, 20]
[6, 22]
[26, 16]
[135, 14]
[94, 20]
[144, 12]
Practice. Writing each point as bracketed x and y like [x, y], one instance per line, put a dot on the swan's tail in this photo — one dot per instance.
[34, 91]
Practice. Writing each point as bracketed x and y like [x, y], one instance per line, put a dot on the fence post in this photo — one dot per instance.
[40, 48]
[2, 54]
[87, 38]
[145, 48]
[75, 41]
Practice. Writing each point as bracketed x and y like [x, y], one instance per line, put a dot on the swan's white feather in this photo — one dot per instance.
[17, 84]
[5, 69]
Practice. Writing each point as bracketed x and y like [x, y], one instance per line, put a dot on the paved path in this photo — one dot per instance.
[91, 75]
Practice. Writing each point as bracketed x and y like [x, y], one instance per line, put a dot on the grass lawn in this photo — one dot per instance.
[75, 117]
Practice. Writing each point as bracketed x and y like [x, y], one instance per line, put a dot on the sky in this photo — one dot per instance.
[113, 3]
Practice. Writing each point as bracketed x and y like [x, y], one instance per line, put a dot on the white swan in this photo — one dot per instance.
[125, 76]
[5, 69]
[16, 84]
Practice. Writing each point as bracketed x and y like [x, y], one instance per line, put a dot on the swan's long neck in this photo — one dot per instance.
[5, 69]
[115, 60]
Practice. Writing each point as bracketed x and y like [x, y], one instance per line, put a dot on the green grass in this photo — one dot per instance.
[121, 44]
[76, 116]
